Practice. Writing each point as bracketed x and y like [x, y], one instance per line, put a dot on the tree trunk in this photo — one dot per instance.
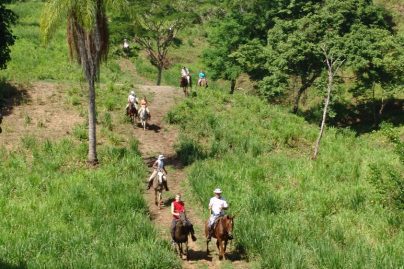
[301, 90]
[232, 86]
[383, 104]
[92, 142]
[160, 71]
[327, 101]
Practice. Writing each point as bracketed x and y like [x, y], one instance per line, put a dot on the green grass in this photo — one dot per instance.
[59, 213]
[342, 211]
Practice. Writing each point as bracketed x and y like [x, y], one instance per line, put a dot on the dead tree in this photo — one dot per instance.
[333, 64]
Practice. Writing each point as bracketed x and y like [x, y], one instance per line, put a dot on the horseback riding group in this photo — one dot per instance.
[219, 225]
[186, 80]
[134, 111]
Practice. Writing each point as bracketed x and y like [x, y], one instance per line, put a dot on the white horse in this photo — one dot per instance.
[158, 185]
[144, 116]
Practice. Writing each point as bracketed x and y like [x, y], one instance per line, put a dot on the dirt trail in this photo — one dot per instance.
[160, 138]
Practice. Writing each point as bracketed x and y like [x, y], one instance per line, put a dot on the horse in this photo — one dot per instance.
[158, 186]
[183, 228]
[222, 231]
[144, 116]
[186, 82]
[203, 82]
[131, 112]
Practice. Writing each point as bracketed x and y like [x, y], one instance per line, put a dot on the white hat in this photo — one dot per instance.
[132, 92]
[161, 157]
[217, 190]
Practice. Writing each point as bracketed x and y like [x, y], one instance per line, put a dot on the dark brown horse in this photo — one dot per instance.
[131, 111]
[183, 229]
[223, 229]
[186, 83]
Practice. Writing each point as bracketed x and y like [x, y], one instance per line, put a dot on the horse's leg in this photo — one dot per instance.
[207, 241]
[224, 249]
[220, 247]
[186, 249]
[180, 248]
[160, 199]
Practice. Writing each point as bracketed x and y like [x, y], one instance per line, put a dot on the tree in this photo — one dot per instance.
[333, 64]
[241, 22]
[7, 18]
[377, 57]
[87, 37]
[292, 52]
[156, 26]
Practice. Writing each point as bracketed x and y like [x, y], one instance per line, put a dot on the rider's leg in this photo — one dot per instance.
[211, 224]
[150, 182]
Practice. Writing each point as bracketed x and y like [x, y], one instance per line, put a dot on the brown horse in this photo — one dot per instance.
[158, 186]
[184, 84]
[223, 229]
[183, 229]
[131, 112]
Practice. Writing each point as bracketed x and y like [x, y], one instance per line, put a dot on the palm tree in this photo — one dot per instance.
[87, 37]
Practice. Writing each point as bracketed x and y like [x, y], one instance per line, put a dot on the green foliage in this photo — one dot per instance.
[7, 18]
[341, 211]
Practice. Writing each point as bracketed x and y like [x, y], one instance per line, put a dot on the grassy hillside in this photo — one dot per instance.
[56, 211]
[59, 213]
[344, 210]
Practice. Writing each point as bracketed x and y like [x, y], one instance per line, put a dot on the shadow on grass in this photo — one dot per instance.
[361, 118]
[5, 265]
[11, 96]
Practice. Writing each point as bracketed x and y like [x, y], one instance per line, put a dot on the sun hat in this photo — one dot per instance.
[217, 190]
[132, 92]
[161, 157]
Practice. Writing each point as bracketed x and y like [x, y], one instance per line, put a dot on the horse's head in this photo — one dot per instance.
[183, 217]
[228, 223]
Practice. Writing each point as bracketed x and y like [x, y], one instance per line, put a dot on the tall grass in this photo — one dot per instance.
[342, 211]
[59, 213]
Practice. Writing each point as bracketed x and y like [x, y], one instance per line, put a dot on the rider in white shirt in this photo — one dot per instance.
[185, 73]
[217, 206]
[158, 166]
[132, 99]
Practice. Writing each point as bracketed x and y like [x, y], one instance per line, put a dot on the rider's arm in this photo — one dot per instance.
[172, 210]
[155, 165]
[225, 205]
[165, 170]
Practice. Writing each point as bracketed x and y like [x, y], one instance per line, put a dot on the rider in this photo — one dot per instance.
[202, 76]
[158, 166]
[177, 207]
[143, 104]
[125, 46]
[185, 73]
[217, 205]
[132, 99]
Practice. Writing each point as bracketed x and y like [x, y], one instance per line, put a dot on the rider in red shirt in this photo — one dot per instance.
[177, 207]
